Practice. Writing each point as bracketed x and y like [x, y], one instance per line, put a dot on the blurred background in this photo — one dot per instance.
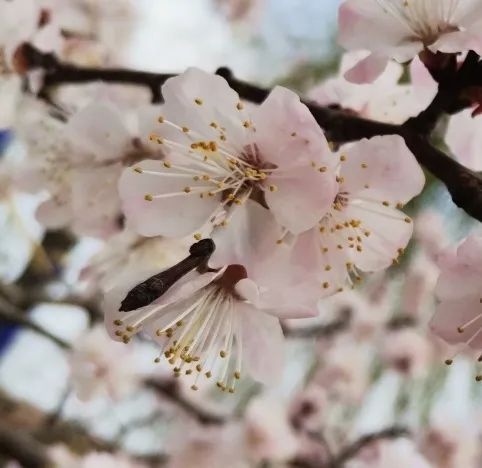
[367, 365]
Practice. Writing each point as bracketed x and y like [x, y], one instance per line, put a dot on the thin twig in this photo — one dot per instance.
[356, 447]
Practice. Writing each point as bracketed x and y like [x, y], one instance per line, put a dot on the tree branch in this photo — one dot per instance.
[325, 330]
[354, 449]
[464, 185]
[170, 391]
[11, 314]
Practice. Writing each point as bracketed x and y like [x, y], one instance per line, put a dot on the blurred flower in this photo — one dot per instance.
[458, 316]
[79, 164]
[407, 352]
[209, 447]
[102, 367]
[220, 156]
[239, 10]
[400, 453]
[401, 29]
[62, 457]
[430, 233]
[419, 283]
[450, 444]
[365, 229]
[268, 433]
[384, 99]
[464, 138]
[344, 371]
[308, 407]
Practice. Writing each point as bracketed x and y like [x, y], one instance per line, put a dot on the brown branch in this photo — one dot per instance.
[11, 314]
[325, 330]
[464, 185]
[21, 447]
[354, 449]
[169, 390]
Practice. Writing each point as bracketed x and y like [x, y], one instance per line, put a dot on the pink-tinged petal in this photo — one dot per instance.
[459, 41]
[172, 216]
[196, 100]
[95, 200]
[368, 25]
[384, 234]
[464, 138]
[459, 321]
[287, 135]
[249, 237]
[248, 290]
[263, 344]
[53, 214]
[99, 130]
[367, 70]
[301, 197]
[383, 169]
[461, 272]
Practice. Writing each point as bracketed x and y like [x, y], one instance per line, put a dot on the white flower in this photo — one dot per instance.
[365, 229]
[401, 29]
[101, 367]
[224, 322]
[79, 165]
[219, 156]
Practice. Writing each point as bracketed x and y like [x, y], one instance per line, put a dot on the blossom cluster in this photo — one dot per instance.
[212, 234]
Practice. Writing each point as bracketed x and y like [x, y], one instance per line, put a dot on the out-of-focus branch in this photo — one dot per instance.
[170, 391]
[21, 447]
[325, 330]
[464, 185]
[11, 314]
[354, 449]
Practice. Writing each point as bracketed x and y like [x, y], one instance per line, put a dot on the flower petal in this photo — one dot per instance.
[451, 315]
[301, 197]
[367, 70]
[262, 341]
[98, 129]
[174, 216]
[381, 168]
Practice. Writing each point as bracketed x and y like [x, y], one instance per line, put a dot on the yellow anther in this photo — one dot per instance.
[148, 197]
[364, 165]
[167, 164]
[138, 170]
[187, 189]
[198, 236]
[326, 285]
[185, 129]
[273, 188]
[160, 119]
[239, 106]
[222, 354]
[198, 101]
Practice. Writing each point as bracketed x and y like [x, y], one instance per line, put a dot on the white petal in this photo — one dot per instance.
[98, 129]
[174, 216]
[386, 165]
[263, 346]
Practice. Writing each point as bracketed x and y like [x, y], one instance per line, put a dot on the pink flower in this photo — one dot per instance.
[101, 367]
[384, 99]
[407, 352]
[364, 229]
[80, 163]
[458, 318]
[401, 29]
[268, 433]
[219, 156]
[224, 322]
[464, 138]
